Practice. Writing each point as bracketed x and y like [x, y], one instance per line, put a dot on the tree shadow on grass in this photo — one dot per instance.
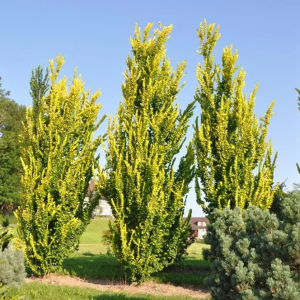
[89, 265]
[118, 297]
[193, 263]
[187, 273]
[191, 280]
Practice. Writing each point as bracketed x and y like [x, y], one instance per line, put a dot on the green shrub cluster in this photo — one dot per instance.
[255, 254]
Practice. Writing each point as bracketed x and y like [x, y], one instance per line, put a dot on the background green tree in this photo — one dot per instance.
[146, 194]
[59, 161]
[11, 116]
[234, 161]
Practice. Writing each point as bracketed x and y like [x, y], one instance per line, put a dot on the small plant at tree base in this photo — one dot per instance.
[12, 271]
[146, 194]
[5, 222]
[234, 162]
[59, 161]
[6, 235]
[12, 268]
[255, 254]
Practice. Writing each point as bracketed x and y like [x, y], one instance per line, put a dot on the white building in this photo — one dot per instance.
[198, 226]
[103, 208]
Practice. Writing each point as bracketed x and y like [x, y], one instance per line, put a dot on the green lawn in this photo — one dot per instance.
[92, 261]
[38, 291]
[91, 240]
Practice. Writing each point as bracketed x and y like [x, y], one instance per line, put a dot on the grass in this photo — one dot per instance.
[183, 279]
[38, 291]
[88, 265]
[91, 240]
[92, 262]
[188, 272]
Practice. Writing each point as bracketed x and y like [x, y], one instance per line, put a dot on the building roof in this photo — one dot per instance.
[194, 222]
[90, 188]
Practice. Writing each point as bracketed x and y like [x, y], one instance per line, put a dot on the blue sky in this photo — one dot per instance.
[94, 36]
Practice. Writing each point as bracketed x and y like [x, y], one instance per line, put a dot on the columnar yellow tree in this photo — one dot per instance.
[234, 161]
[59, 161]
[146, 194]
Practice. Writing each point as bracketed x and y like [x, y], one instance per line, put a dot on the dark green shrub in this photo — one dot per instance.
[7, 219]
[5, 222]
[254, 253]
[6, 235]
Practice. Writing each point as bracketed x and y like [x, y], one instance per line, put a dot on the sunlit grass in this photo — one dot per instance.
[38, 291]
[91, 240]
[92, 261]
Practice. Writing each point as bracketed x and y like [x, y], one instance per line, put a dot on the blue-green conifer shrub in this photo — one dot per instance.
[255, 254]
[12, 268]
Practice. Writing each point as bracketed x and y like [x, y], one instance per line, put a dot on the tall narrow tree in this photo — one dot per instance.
[298, 91]
[234, 161]
[39, 85]
[145, 193]
[59, 161]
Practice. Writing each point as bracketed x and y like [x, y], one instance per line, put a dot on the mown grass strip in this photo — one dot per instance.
[38, 291]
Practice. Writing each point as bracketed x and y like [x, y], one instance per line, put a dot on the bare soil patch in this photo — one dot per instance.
[148, 287]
